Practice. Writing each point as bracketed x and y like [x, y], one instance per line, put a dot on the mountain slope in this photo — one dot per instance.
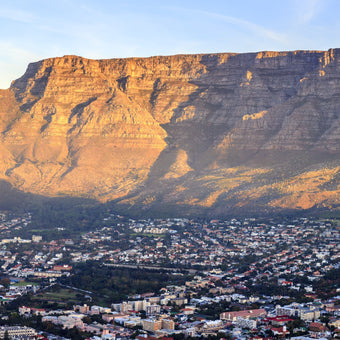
[188, 132]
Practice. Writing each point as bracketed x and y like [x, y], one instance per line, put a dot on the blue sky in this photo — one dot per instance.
[34, 30]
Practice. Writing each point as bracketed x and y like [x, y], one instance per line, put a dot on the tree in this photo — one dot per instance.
[5, 282]
[6, 336]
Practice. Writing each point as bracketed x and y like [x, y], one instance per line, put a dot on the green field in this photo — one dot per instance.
[148, 235]
[24, 283]
[335, 221]
[60, 296]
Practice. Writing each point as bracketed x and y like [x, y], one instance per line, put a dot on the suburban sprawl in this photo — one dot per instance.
[170, 278]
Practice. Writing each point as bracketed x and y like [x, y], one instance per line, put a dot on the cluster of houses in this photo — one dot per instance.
[228, 257]
[11, 222]
[300, 247]
[171, 312]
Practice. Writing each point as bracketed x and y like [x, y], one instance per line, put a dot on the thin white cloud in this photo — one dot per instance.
[307, 10]
[13, 62]
[14, 52]
[253, 28]
[17, 15]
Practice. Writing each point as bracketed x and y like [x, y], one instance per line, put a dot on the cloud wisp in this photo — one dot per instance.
[253, 28]
[17, 15]
[307, 10]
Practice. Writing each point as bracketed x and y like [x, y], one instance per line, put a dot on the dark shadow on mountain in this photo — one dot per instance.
[48, 213]
[16, 200]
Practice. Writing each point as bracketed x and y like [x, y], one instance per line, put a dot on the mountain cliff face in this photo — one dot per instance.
[188, 132]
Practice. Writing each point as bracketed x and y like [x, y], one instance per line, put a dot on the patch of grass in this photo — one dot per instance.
[335, 221]
[24, 283]
[148, 235]
[61, 296]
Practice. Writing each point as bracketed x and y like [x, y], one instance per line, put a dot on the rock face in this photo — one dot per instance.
[193, 132]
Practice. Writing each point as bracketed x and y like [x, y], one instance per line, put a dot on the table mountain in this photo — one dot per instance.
[188, 133]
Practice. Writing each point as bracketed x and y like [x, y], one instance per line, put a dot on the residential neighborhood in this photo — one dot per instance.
[240, 279]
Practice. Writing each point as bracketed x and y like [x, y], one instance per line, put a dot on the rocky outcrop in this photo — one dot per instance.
[218, 131]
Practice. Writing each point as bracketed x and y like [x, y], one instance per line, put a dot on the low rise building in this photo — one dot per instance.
[246, 314]
[153, 309]
[168, 324]
[151, 325]
[16, 331]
